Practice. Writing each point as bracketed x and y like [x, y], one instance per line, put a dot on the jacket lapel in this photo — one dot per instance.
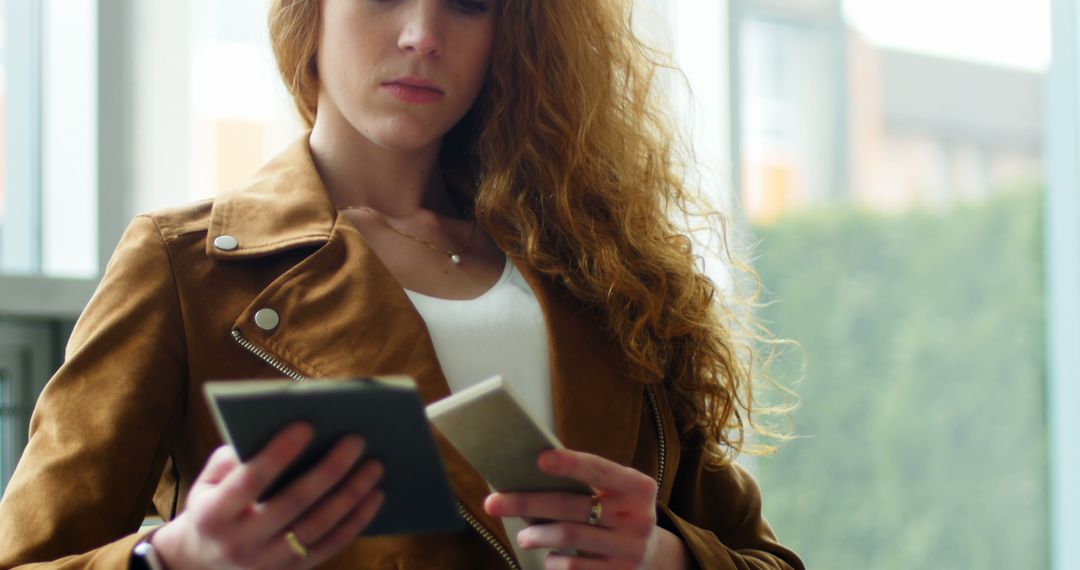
[597, 404]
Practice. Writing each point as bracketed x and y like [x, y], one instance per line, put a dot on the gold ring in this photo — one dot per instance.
[297, 546]
[595, 511]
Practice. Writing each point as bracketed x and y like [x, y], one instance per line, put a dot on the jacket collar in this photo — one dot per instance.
[284, 206]
[343, 314]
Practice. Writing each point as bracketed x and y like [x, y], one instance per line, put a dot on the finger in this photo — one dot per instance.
[222, 461]
[607, 476]
[243, 485]
[546, 506]
[278, 552]
[349, 529]
[281, 510]
[203, 496]
[595, 540]
[556, 561]
[332, 510]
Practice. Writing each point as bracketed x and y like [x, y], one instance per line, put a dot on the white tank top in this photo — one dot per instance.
[500, 332]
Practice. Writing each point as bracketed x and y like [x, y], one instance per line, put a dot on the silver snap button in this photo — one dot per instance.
[267, 319]
[226, 243]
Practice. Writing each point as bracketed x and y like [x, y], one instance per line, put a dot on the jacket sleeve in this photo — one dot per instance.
[717, 514]
[103, 426]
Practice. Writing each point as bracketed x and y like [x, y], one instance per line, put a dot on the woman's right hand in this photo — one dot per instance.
[224, 525]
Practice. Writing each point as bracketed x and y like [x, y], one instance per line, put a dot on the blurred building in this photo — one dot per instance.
[929, 131]
[792, 105]
[828, 117]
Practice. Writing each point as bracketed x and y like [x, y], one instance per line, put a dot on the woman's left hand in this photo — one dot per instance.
[625, 536]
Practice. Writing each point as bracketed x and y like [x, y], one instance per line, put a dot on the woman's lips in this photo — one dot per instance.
[412, 93]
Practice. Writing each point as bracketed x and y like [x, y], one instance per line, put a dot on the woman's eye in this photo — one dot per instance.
[470, 6]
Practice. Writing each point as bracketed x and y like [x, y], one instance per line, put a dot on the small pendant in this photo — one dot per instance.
[456, 259]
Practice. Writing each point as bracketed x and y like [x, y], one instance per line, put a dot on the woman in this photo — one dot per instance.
[500, 161]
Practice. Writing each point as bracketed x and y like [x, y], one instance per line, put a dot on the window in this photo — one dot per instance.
[892, 169]
[242, 111]
[48, 201]
[219, 112]
[49, 246]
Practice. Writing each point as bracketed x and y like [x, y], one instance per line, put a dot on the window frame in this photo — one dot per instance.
[1062, 250]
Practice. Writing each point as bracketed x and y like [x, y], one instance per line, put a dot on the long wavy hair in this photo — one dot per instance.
[572, 165]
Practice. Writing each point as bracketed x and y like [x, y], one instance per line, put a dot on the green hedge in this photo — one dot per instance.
[922, 422]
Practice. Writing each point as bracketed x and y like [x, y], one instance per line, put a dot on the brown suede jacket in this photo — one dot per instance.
[123, 422]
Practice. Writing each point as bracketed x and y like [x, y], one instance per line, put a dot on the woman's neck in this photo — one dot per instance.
[359, 173]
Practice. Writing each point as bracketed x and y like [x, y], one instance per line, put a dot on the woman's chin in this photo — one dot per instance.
[405, 139]
[408, 131]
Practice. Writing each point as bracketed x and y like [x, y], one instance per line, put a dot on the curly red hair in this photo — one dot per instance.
[575, 171]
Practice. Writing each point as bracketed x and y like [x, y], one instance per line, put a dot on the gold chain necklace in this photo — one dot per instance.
[453, 254]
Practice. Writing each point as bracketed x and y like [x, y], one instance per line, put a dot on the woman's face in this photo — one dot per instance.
[402, 72]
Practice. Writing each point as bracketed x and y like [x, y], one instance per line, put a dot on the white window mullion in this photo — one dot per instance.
[1063, 284]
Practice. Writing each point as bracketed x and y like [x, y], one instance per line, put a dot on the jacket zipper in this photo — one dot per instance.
[469, 518]
[267, 357]
[659, 438]
[486, 534]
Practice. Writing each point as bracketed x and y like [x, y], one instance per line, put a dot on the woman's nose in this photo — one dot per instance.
[421, 30]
